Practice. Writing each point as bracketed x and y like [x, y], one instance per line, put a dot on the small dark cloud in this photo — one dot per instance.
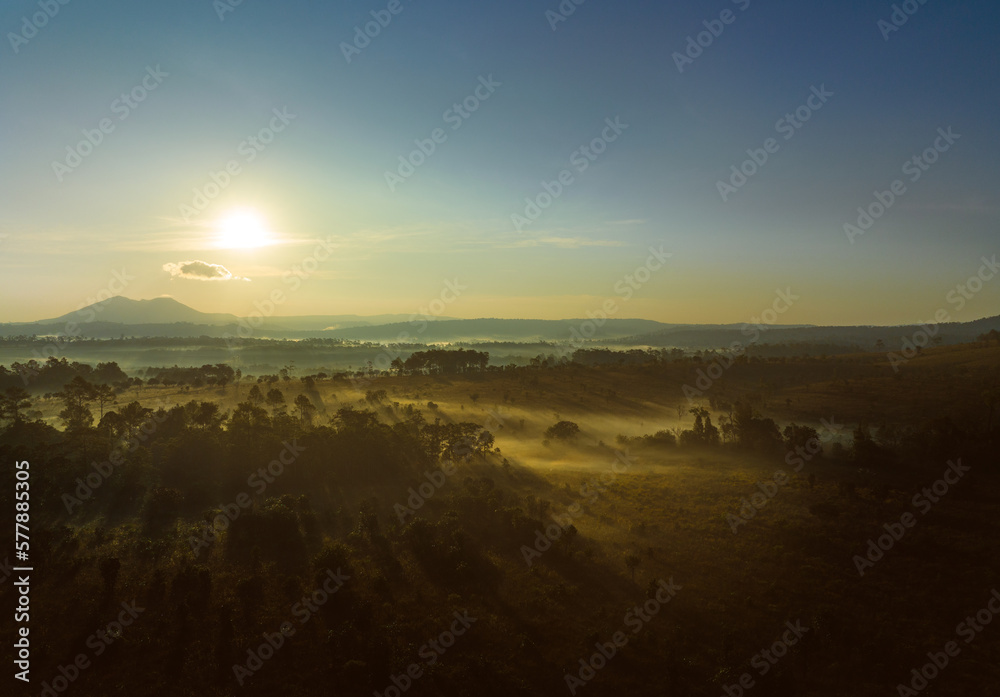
[201, 271]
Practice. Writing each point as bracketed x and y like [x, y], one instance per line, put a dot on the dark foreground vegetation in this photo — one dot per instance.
[379, 540]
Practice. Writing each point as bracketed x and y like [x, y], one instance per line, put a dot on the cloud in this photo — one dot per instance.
[201, 271]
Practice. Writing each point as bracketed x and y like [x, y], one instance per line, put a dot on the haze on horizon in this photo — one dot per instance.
[542, 90]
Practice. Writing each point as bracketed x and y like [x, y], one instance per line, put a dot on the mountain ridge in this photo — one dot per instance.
[167, 317]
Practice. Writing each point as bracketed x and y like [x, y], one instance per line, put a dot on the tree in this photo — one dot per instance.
[76, 417]
[704, 431]
[76, 395]
[206, 415]
[276, 400]
[376, 396]
[255, 397]
[796, 436]
[564, 430]
[305, 408]
[569, 534]
[632, 561]
[14, 402]
[103, 394]
[991, 335]
[78, 392]
[131, 418]
[248, 423]
[864, 450]
[484, 443]
[754, 432]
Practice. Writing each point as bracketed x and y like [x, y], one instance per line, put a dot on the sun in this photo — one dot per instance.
[243, 229]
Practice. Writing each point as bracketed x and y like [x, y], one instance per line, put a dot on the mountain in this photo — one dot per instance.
[120, 310]
[165, 317]
[166, 311]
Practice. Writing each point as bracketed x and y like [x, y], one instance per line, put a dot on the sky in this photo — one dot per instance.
[523, 159]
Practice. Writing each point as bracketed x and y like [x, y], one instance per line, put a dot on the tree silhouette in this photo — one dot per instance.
[305, 408]
[564, 430]
[632, 561]
[104, 394]
[76, 395]
[13, 403]
[276, 401]
[255, 397]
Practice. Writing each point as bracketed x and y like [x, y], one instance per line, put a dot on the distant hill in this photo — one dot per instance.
[866, 337]
[119, 310]
[165, 317]
[466, 330]
[150, 314]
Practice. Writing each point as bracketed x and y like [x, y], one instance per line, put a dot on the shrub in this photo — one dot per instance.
[564, 430]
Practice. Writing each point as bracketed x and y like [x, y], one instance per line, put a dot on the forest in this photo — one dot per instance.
[223, 505]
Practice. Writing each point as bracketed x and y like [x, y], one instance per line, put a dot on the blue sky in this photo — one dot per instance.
[323, 176]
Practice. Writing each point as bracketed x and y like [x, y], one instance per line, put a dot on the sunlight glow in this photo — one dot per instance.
[243, 229]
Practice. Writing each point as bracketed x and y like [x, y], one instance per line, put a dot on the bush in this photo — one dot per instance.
[662, 438]
[564, 430]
